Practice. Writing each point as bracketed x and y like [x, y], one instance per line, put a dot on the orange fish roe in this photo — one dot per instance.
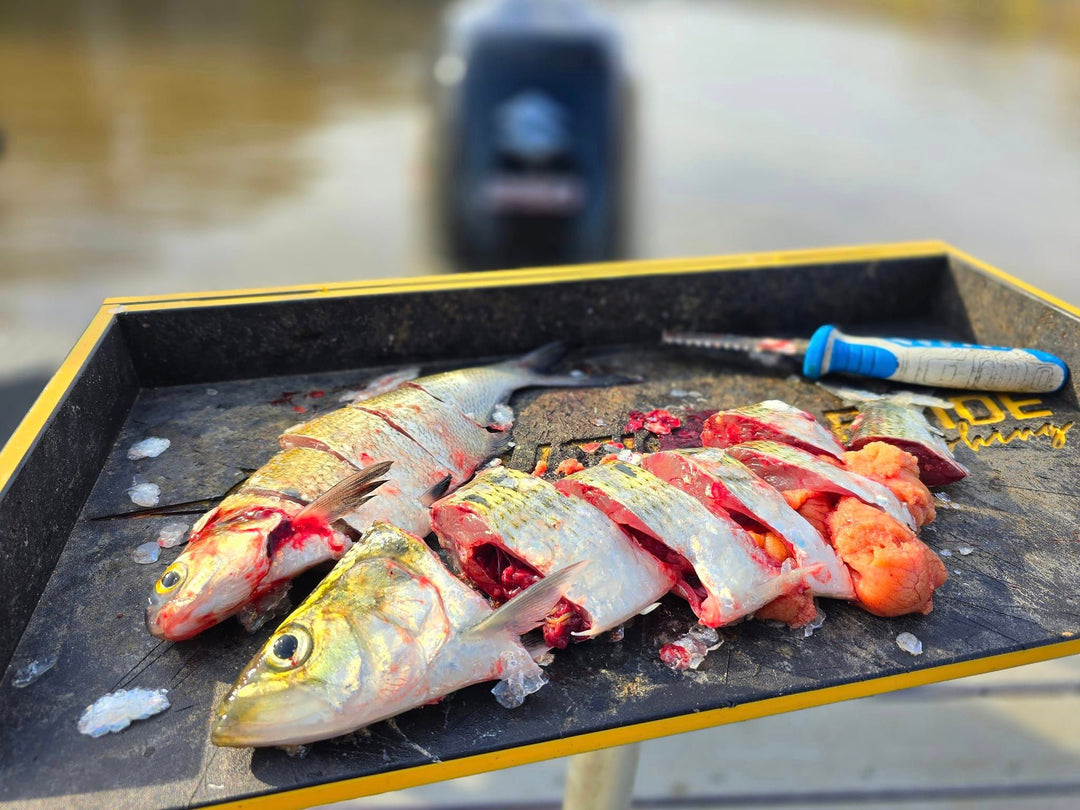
[899, 471]
[569, 467]
[794, 609]
[540, 469]
[893, 571]
[815, 510]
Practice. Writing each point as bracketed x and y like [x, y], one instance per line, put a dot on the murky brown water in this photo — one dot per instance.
[163, 147]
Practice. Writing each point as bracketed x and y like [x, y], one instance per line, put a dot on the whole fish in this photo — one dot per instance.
[722, 572]
[905, 427]
[508, 529]
[436, 430]
[388, 630]
[724, 484]
[786, 467]
[771, 420]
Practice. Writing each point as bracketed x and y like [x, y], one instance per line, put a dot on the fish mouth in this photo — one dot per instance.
[249, 719]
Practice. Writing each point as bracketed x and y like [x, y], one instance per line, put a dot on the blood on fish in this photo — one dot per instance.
[569, 467]
[688, 434]
[316, 394]
[659, 422]
[300, 409]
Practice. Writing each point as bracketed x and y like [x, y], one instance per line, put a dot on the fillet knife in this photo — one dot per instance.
[936, 363]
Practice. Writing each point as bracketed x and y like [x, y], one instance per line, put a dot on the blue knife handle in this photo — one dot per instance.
[934, 363]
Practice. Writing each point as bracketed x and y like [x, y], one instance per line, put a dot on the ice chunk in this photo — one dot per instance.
[172, 534]
[520, 679]
[150, 447]
[116, 710]
[629, 457]
[29, 673]
[964, 550]
[147, 553]
[211, 392]
[814, 623]
[909, 643]
[502, 417]
[689, 650]
[945, 552]
[599, 422]
[144, 494]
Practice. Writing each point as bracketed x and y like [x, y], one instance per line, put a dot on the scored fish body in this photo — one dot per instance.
[724, 484]
[787, 468]
[906, 427]
[724, 575]
[250, 545]
[508, 528]
[389, 629]
[771, 420]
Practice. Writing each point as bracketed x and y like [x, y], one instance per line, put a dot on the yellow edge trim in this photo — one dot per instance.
[26, 434]
[1013, 280]
[507, 278]
[523, 755]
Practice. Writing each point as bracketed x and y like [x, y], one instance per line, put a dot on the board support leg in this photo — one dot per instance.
[601, 780]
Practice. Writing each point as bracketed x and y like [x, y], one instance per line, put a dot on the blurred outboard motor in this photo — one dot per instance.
[529, 145]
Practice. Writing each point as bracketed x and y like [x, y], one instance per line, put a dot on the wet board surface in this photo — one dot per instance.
[1019, 588]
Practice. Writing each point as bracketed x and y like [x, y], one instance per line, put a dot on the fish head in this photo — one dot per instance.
[356, 651]
[298, 686]
[219, 571]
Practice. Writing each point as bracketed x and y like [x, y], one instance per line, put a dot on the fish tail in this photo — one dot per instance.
[538, 361]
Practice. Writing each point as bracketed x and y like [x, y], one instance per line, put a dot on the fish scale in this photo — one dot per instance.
[531, 520]
[737, 575]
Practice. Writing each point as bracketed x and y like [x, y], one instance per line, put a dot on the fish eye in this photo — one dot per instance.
[289, 649]
[172, 577]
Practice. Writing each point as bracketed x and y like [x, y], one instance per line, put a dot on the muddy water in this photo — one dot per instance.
[166, 147]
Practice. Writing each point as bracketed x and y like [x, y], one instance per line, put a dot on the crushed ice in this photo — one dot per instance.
[502, 417]
[684, 393]
[520, 679]
[964, 550]
[629, 457]
[147, 553]
[143, 493]
[211, 392]
[689, 650]
[150, 447]
[29, 673]
[945, 552]
[814, 623]
[909, 643]
[599, 422]
[116, 710]
[172, 534]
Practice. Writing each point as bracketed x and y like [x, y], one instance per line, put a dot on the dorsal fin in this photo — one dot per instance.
[347, 495]
[528, 609]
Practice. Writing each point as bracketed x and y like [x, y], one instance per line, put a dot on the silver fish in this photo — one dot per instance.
[508, 529]
[788, 467]
[388, 630]
[771, 420]
[723, 483]
[907, 428]
[244, 552]
[723, 573]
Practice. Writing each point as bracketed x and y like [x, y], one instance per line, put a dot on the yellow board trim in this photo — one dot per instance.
[516, 278]
[526, 754]
[22, 441]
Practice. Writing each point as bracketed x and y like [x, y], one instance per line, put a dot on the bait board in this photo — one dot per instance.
[222, 374]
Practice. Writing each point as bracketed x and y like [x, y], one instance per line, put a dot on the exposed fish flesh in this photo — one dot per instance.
[508, 529]
[907, 428]
[435, 431]
[724, 484]
[388, 630]
[722, 572]
[788, 467]
[770, 420]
